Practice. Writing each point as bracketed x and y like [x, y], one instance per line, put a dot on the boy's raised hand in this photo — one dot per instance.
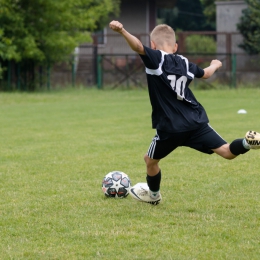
[209, 71]
[134, 43]
[116, 26]
[216, 63]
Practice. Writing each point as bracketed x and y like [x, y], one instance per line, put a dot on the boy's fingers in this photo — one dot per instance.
[115, 25]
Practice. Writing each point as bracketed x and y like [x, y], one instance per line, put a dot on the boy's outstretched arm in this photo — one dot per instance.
[132, 41]
[210, 70]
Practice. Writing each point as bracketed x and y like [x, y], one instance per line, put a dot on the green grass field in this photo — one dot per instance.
[56, 148]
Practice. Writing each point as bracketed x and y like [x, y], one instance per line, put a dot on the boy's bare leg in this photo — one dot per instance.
[152, 166]
[153, 177]
[239, 146]
[225, 152]
[151, 193]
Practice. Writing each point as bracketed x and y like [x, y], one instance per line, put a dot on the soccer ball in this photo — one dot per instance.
[116, 184]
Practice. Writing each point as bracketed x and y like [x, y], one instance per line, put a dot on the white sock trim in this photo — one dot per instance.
[154, 194]
[245, 144]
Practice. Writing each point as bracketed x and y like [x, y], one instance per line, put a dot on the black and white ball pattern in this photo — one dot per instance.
[116, 184]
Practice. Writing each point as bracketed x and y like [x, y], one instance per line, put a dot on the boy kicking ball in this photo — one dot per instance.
[179, 119]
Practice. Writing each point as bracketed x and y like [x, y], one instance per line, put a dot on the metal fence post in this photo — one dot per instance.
[18, 82]
[127, 71]
[9, 73]
[48, 77]
[234, 70]
[73, 72]
[99, 71]
[95, 63]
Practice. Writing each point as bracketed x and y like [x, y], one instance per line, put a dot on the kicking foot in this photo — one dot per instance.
[141, 192]
[253, 139]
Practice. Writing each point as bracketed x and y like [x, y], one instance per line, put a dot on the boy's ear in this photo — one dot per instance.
[153, 45]
[175, 47]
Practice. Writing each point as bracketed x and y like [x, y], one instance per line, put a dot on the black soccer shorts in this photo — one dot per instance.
[203, 140]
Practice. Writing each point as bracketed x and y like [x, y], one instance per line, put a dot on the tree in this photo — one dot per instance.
[209, 10]
[186, 15]
[47, 30]
[44, 32]
[249, 27]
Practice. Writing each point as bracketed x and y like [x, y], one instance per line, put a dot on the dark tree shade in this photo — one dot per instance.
[249, 27]
[186, 15]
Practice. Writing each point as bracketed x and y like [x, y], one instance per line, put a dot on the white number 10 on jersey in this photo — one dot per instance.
[178, 85]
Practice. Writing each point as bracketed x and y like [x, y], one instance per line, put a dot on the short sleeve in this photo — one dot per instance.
[152, 58]
[196, 70]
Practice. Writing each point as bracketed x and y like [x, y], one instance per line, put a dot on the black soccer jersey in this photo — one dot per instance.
[174, 107]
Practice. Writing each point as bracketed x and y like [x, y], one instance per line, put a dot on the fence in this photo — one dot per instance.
[113, 65]
[79, 69]
[128, 70]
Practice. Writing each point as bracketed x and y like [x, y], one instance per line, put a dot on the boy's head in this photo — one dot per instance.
[162, 36]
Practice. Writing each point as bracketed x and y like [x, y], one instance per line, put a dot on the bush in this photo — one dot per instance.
[200, 44]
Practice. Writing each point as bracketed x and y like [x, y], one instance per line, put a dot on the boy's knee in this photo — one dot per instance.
[149, 161]
[146, 158]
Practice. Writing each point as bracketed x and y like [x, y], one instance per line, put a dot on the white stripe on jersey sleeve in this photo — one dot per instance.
[158, 71]
[187, 66]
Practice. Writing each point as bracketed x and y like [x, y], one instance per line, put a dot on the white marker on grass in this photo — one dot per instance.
[241, 111]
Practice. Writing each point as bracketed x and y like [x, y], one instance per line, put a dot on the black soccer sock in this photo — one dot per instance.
[237, 147]
[154, 181]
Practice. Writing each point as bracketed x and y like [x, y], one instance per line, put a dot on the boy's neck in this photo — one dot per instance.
[167, 50]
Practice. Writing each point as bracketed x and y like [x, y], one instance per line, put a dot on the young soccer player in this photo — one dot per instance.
[179, 119]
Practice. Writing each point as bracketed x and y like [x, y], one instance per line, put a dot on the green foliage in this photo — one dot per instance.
[57, 147]
[7, 50]
[47, 30]
[186, 15]
[200, 44]
[210, 11]
[249, 26]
